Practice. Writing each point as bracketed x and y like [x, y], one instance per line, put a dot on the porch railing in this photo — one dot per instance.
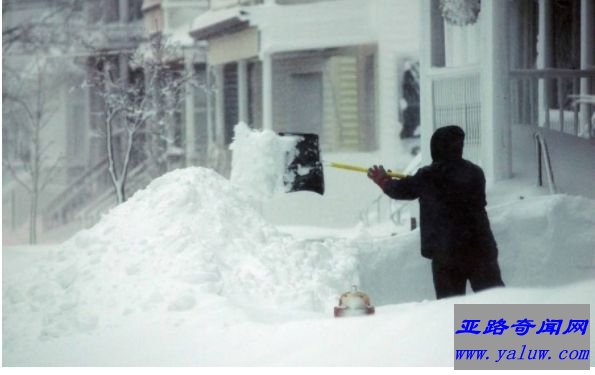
[544, 161]
[547, 98]
[457, 100]
[89, 196]
[138, 178]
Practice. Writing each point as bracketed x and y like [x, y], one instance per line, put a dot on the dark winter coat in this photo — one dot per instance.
[453, 221]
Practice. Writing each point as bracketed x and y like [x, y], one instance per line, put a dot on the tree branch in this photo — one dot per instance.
[15, 175]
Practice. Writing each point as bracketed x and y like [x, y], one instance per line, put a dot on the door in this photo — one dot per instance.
[305, 107]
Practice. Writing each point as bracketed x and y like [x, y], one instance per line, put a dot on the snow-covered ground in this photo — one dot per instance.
[188, 272]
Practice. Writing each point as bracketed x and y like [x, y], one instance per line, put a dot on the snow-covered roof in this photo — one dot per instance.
[216, 22]
[181, 36]
[319, 25]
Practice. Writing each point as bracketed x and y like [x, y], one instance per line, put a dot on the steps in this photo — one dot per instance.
[88, 197]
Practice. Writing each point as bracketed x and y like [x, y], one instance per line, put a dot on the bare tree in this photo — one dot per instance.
[166, 82]
[141, 96]
[45, 27]
[35, 37]
[26, 111]
[124, 114]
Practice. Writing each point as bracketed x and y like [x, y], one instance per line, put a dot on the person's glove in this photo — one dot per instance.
[378, 175]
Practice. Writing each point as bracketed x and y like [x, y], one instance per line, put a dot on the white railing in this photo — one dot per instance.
[457, 101]
[543, 160]
[547, 98]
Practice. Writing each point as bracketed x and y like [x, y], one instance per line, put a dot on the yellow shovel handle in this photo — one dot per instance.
[362, 169]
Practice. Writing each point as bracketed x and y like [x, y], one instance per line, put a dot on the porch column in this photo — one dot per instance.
[587, 54]
[495, 117]
[544, 43]
[219, 106]
[123, 10]
[243, 91]
[267, 95]
[210, 106]
[190, 135]
[431, 45]
[544, 60]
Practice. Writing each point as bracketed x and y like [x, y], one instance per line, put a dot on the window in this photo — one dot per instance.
[200, 113]
[566, 47]
[255, 94]
[230, 100]
[135, 10]
[369, 99]
[111, 11]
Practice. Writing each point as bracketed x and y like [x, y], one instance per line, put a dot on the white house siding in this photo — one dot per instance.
[180, 13]
[391, 25]
[312, 26]
[348, 41]
[396, 25]
[451, 83]
[342, 97]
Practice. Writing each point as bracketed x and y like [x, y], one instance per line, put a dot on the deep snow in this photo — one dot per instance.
[189, 268]
[260, 160]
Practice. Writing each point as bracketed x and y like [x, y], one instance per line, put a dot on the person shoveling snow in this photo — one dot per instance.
[455, 230]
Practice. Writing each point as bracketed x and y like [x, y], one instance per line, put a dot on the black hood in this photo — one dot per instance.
[447, 143]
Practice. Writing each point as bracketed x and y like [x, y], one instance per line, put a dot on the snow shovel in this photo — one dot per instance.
[305, 173]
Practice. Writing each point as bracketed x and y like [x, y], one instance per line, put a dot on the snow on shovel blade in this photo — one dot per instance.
[304, 172]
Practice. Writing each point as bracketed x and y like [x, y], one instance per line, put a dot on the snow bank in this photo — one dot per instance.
[409, 334]
[542, 241]
[188, 236]
[191, 251]
[259, 160]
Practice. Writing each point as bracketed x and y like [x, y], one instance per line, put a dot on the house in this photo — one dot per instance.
[325, 67]
[174, 19]
[49, 56]
[97, 31]
[515, 75]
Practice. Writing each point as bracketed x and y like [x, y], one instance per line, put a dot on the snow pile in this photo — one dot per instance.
[188, 266]
[260, 159]
[542, 241]
[189, 236]
[546, 240]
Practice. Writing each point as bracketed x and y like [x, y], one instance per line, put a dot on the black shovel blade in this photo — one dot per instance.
[304, 172]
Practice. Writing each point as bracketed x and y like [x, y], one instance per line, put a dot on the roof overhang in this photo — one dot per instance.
[212, 24]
